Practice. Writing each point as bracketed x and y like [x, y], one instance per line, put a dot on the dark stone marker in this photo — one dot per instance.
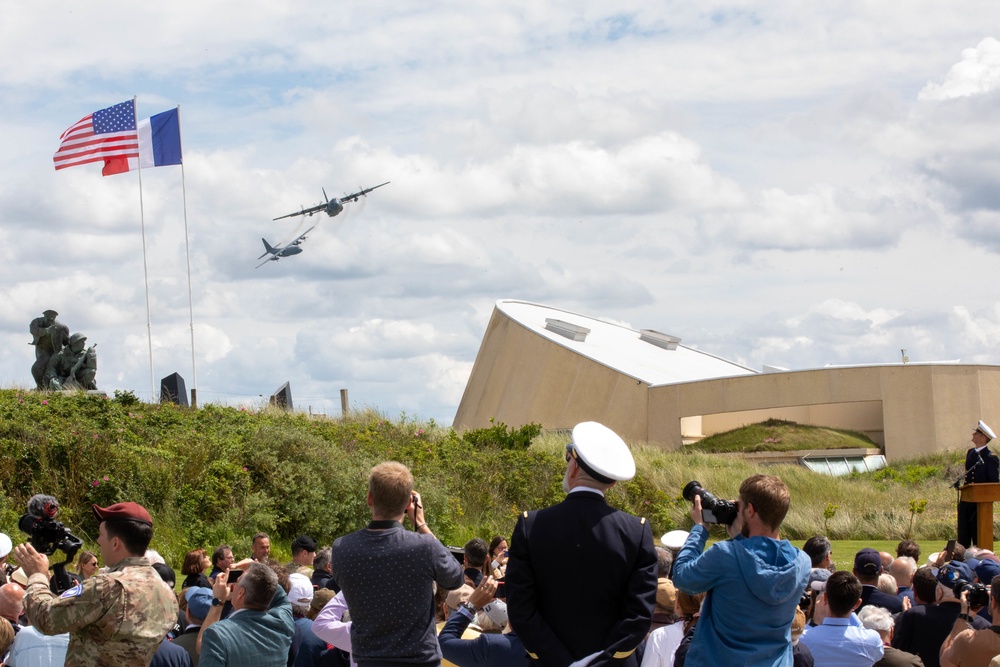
[282, 398]
[173, 390]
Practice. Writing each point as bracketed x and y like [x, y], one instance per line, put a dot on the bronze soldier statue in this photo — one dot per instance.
[72, 367]
[48, 336]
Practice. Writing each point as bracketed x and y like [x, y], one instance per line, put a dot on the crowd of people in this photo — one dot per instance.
[580, 584]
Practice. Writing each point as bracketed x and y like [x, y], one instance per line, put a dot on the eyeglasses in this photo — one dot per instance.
[570, 452]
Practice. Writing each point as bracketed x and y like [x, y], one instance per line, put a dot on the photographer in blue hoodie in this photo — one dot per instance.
[754, 581]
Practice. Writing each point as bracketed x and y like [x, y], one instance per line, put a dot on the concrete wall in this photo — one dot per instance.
[924, 408]
[521, 377]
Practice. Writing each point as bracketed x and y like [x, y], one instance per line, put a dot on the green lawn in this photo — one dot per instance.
[844, 550]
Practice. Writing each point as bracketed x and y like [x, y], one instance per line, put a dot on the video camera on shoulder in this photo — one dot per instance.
[48, 534]
[713, 510]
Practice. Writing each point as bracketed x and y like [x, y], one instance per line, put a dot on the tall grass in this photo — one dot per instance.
[218, 475]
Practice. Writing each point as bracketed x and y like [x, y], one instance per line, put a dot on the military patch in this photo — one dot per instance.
[72, 592]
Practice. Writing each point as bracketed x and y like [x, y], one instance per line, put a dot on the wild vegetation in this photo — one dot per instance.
[778, 435]
[219, 474]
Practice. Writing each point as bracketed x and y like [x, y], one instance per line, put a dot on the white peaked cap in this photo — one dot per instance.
[675, 539]
[600, 450]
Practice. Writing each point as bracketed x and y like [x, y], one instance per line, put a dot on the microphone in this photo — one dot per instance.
[965, 477]
[41, 506]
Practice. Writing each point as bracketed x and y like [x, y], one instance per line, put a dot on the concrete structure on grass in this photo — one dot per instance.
[558, 368]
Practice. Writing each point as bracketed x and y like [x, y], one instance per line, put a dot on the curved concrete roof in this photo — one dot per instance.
[621, 348]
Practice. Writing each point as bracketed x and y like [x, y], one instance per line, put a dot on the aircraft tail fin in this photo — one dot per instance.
[268, 248]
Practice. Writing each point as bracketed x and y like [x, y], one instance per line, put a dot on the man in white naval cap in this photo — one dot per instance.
[981, 465]
[581, 579]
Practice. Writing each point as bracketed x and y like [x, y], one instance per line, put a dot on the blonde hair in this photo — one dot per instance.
[798, 625]
[391, 486]
[6, 636]
[83, 558]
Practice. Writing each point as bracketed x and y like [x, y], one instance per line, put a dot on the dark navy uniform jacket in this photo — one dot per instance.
[581, 579]
[988, 471]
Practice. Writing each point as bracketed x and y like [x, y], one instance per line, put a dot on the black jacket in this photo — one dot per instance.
[581, 579]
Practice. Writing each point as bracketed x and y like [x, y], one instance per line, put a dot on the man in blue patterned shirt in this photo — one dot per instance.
[387, 575]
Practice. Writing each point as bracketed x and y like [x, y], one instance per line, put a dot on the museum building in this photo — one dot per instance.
[557, 368]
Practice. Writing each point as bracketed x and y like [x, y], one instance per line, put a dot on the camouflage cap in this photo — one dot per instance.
[123, 512]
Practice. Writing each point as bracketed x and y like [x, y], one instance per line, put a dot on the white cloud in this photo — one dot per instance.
[771, 182]
[978, 72]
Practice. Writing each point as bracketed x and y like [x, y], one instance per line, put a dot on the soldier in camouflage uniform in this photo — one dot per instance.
[115, 618]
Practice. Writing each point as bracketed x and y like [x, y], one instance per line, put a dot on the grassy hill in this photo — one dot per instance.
[219, 474]
[777, 435]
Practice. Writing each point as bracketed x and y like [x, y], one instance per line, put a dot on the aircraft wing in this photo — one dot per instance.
[269, 259]
[306, 211]
[302, 236]
[353, 197]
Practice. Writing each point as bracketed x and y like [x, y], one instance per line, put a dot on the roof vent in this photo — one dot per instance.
[659, 339]
[571, 331]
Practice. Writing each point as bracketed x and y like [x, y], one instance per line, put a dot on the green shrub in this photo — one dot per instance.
[219, 474]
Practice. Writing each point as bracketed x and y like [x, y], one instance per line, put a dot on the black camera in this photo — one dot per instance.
[979, 594]
[713, 510]
[48, 534]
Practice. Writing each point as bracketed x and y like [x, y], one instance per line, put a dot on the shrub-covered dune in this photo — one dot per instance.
[220, 474]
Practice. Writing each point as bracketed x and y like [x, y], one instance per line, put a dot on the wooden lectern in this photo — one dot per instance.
[984, 495]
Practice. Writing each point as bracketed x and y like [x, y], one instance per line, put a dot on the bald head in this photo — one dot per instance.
[886, 559]
[902, 570]
[11, 601]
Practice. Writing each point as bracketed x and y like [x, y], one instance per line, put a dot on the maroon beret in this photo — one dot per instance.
[123, 511]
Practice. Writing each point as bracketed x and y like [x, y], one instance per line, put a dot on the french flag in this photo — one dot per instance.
[159, 145]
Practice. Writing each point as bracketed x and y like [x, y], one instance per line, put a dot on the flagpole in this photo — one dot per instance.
[145, 268]
[187, 253]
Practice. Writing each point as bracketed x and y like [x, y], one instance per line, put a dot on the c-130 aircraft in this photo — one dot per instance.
[332, 207]
[335, 205]
[284, 250]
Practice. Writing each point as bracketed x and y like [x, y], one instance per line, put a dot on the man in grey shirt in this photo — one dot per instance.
[387, 575]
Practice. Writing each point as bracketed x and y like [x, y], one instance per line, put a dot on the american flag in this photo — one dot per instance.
[108, 134]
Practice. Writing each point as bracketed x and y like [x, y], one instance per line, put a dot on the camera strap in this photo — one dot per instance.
[995, 629]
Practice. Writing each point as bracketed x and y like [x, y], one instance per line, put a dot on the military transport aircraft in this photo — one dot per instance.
[333, 206]
[282, 251]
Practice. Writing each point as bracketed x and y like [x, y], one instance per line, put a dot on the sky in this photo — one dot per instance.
[785, 183]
